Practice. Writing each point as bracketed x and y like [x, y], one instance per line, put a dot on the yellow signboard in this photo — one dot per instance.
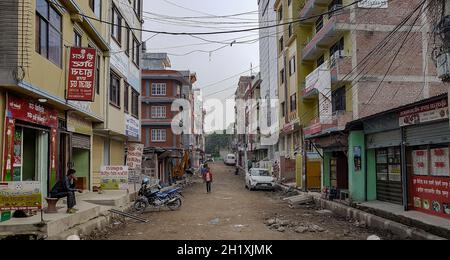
[20, 195]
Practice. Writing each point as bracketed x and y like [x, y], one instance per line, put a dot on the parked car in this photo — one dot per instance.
[230, 160]
[259, 179]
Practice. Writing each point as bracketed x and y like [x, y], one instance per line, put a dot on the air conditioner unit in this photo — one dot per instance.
[443, 66]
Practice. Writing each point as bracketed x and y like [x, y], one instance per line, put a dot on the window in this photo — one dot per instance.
[114, 90]
[281, 43]
[96, 7]
[337, 47]
[77, 39]
[135, 103]
[280, 13]
[48, 32]
[289, 2]
[290, 30]
[389, 164]
[282, 76]
[292, 67]
[116, 28]
[294, 103]
[137, 7]
[333, 6]
[283, 109]
[339, 100]
[127, 40]
[159, 135]
[159, 89]
[319, 24]
[136, 54]
[320, 61]
[98, 63]
[159, 112]
[126, 98]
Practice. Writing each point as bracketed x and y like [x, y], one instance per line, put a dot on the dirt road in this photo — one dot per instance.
[231, 212]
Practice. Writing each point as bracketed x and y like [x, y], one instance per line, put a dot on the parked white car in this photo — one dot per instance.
[259, 179]
[230, 160]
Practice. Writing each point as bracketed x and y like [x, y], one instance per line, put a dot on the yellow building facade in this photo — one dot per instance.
[44, 134]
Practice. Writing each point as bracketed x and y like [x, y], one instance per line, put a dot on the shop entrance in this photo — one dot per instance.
[81, 160]
[31, 155]
[389, 175]
[339, 171]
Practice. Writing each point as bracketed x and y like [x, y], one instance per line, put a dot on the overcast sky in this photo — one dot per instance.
[221, 64]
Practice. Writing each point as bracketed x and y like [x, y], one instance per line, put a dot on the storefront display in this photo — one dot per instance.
[389, 175]
[30, 143]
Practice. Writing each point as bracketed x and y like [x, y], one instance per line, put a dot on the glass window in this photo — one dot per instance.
[135, 103]
[77, 39]
[159, 89]
[126, 97]
[389, 164]
[159, 135]
[96, 7]
[117, 26]
[159, 112]
[114, 90]
[48, 32]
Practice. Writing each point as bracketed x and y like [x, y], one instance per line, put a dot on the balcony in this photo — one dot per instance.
[340, 67]
[313, 8]
[319, 81]
[332, 31]
[338, 122]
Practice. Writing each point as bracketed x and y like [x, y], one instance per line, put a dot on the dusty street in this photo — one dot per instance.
[232, 212]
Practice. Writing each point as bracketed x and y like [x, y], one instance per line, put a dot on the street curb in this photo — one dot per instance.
[372, 221]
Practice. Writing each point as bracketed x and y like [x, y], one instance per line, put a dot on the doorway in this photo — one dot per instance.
[339, 171]
[31, 155]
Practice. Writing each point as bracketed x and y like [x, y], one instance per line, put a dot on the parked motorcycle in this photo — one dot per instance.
[155, 197]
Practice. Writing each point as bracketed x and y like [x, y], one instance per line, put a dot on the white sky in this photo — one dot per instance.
[223, 63]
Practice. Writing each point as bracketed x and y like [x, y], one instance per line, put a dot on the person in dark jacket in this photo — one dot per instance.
[66, 188]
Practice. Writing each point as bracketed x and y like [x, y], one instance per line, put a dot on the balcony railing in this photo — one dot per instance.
[328, 35]
[318, 81]
[340, 67]
[313, 8]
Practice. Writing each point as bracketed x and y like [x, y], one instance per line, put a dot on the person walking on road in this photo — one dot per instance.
[208, 178]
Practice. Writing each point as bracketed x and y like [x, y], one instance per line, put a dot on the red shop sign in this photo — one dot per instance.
[31, 112]
[81, 74]
[431, 195]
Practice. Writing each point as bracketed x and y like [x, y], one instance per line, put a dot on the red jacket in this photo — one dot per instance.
[208, 176]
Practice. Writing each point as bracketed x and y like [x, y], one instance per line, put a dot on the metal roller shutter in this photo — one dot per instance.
[428, 134]
[81, 141]
[384, 139]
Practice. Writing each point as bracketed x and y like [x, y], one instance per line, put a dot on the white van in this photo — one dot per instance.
[230, 160]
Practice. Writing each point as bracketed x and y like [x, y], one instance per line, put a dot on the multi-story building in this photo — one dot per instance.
[162, 89]
[344, 80]
[241, 122]
[49, 133]
[269, 72]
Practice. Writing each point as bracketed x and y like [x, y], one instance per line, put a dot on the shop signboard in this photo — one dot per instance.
[78, 124]
[425, 114]
[132, 127]
[114, 178]
[134, 155]
[81, 79]
[431, 195]
[20, 196]
[31, 112]
[373, 4]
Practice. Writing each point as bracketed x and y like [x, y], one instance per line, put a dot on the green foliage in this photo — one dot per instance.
[215, 142]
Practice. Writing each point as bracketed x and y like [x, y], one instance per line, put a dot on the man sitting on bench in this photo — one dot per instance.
[66, 188]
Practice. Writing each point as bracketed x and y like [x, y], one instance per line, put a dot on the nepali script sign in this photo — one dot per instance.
[114, 178]
[20, 195]
[81, 74]
[134, 155]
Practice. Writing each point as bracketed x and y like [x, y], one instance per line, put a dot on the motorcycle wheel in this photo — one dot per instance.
[140, 206]
[175, 205]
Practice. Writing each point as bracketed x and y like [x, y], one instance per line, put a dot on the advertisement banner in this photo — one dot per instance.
[420, 162]
[431, 195]
[20, 196]
[134, 155]
[8, 153]
[132, 127]
[114, 178]
[425, 114]
[81, 79]
[28, 111]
